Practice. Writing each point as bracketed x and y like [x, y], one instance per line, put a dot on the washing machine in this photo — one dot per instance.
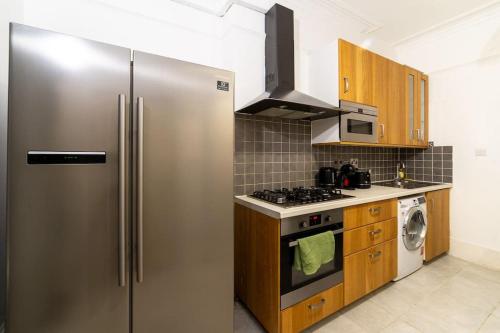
[412, 229]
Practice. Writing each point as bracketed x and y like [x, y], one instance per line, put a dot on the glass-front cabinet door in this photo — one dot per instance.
[416, 106]
[423, 110]
[411, 106]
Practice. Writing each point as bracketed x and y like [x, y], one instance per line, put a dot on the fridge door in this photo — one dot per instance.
[67, 111]
[184, 229]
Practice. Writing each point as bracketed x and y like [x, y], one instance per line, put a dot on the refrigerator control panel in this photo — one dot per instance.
[66, 157]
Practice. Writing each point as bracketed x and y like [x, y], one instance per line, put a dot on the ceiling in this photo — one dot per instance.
[388, 21]
[394, 21]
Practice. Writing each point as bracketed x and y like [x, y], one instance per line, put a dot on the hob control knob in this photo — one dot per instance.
[303, 224]
[328, 218]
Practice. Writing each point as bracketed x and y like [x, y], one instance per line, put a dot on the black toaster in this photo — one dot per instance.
[362, 179]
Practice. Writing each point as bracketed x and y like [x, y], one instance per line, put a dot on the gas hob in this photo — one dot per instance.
[299, 196]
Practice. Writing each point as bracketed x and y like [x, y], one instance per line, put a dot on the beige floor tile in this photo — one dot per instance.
[497, 311]
[400, 326]
[486, 273]
[336, 324]
[440, 312]
[447, 295]
[473, 289]
[491, 325]
[396, 298]
[447, 266]
[425, 280]
[370, 316]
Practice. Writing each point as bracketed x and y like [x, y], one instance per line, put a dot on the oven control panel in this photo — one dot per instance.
[295, 224]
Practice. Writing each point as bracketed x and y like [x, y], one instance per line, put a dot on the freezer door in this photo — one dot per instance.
[65, 99]
[184, 262]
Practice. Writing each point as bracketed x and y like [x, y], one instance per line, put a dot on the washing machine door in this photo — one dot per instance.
[414, 229]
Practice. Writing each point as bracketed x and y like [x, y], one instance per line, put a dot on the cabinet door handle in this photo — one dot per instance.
[419, 134]
[346, 84]
[382, 130]
[374, 210]
[316, 305]
[432, 204]
[375, 255]
[375, 232]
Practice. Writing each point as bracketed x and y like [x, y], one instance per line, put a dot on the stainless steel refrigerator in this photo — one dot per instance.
[119, 189]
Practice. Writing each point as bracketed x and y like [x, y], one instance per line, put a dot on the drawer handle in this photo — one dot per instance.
[374, 210]
[317, 305]
[375, 232]
[375, 255]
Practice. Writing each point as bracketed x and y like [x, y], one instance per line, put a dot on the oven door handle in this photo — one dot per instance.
[295, 243]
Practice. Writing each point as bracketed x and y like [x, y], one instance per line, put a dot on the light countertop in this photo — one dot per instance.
[375, 193]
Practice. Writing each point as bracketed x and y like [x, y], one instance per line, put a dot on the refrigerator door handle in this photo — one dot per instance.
[121, 194]
[140, 186]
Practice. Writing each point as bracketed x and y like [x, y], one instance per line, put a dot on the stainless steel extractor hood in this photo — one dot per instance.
[281, 99]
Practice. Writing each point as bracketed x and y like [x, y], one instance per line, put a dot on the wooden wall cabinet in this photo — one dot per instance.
[416, 108]
[437, 240]
[355, 73]
[381, 97]
[388, 97]
[423, 109]
[395, 114]
[400, 93]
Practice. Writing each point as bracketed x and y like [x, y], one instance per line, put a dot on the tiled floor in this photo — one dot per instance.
[448, 295]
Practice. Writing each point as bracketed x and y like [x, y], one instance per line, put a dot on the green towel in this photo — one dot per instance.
[314, 251]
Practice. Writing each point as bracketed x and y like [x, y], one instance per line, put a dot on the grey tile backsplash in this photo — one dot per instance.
[275, 153]
[433, 164]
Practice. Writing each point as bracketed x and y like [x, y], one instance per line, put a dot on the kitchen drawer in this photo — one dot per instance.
[362, 238]
[369, 269]
[302, 315]
[360, 215]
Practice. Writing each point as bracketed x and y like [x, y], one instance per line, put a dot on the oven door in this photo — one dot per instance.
[295, 285]
[358, 127]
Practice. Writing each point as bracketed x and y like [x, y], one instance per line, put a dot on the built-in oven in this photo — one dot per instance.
[359, 125]
[296, 286]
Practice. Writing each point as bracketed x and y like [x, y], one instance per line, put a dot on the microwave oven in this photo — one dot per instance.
[358, 125]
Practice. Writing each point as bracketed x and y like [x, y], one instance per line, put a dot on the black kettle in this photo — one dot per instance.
[327, 176]
[346, 177]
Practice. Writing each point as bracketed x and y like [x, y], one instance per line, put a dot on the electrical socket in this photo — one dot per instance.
[354, 162]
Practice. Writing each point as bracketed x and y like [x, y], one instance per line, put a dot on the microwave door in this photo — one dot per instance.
[356, 127]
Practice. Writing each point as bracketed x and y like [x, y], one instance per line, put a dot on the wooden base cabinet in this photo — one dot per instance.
[369, 269]
[364, 237]
[437, 240]
[360, 215]
[370, 261]
[257, 265]
[304, 314]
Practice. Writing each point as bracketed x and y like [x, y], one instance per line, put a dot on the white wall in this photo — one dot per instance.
[463, 62]
[234, 42]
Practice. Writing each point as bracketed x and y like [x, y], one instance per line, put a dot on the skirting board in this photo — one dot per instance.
[474, 253]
